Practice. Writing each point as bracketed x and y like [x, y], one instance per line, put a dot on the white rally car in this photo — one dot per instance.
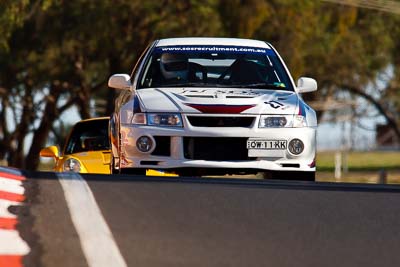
[202, 106]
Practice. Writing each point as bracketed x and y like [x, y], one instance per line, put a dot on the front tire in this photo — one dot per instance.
[113, 170]
[305, 176]
[285, 175]
[133, 171]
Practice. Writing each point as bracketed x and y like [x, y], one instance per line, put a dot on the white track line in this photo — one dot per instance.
[96, 238]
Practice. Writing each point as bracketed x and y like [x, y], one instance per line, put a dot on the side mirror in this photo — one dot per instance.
[120, 81]
[305, 85]
[50, 152]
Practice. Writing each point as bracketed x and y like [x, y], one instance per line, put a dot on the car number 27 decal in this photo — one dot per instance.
[274, 104]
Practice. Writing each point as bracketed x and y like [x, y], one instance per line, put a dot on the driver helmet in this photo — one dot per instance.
[174, 66]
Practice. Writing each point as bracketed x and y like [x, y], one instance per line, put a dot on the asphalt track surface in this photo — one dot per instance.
[219, 222]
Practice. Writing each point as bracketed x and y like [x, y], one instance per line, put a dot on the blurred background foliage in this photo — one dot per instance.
[58, 54]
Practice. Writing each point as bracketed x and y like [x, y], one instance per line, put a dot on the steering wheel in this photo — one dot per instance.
[222, 76]
[195, 68]
[227, 71]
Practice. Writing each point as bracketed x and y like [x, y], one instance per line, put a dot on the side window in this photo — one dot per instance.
[139, 64]
[151, 73]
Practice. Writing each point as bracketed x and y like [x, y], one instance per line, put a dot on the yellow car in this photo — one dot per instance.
[87, 149]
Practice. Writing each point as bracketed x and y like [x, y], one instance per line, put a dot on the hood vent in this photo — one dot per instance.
[239, 96]
[200, 96]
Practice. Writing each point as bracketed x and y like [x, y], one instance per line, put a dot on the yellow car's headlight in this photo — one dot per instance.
[72, 165]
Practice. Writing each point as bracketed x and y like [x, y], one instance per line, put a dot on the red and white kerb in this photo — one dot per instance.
[12, 247]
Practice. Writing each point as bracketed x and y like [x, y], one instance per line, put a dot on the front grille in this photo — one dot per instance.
[215, 148]
[200, 121]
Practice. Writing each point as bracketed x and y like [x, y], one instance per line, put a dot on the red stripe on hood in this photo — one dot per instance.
[224, 109]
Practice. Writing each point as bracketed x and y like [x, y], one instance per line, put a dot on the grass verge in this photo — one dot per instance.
[360, 161]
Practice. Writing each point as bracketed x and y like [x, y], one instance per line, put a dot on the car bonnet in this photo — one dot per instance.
[218, 100]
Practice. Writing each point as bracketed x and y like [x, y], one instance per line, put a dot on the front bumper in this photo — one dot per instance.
[215, 148]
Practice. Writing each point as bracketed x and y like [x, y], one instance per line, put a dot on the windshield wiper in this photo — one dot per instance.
[193, 84]
[280, 86]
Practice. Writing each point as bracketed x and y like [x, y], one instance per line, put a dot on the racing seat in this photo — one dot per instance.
[174, 67]
[95, 143]
[245, 72]
[177, 70]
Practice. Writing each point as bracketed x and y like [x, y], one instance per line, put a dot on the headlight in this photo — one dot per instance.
[153, 119]
[279, 121]
[167, 119]
[139, 118]
[72, 165]
[296, 146]
[299, 121]
[272, 122]
[144, 144]
[128, 117]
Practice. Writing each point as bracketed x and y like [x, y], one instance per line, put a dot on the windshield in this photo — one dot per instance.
[214, 66]
[88, 136]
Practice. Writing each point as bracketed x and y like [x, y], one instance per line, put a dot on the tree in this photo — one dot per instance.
[64, 51]
[55, 54]
[345, 48]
